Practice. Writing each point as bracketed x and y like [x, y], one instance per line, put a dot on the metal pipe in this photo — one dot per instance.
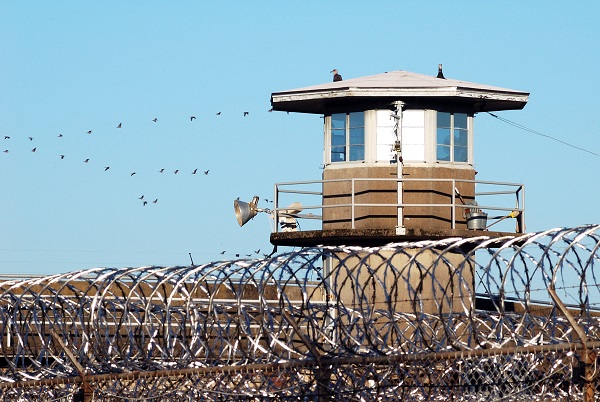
[397, 115]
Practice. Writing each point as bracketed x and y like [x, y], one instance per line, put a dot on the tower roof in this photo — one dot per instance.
[379, 91]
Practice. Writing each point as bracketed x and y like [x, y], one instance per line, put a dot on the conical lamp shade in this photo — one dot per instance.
[243, 212]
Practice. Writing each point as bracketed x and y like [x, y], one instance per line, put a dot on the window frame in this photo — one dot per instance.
[452, 129]
[349, 139]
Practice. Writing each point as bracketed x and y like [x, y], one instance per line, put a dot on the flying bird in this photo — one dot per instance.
[106, 168]
[62, 157]
[161, 170]
[192, 118]
[218, 113]
[89, 132]
[120, 125]
[257, 251]
[60, 135]
[145, 203]
[86, 160]
[34, 149]
[195, 170]
[176, 171]
[30, 138]
[223, 252]
[141, 198]
[270, 110]
[155, 201]
[206, 171]
[6, 137]
[155, 119]
[5, 151]
[131, 174]
[246, 113]
[336, 76]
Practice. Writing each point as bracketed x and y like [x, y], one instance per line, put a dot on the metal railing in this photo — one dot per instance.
[494, 191]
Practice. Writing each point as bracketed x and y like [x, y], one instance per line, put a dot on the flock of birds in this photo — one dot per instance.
[143, 200]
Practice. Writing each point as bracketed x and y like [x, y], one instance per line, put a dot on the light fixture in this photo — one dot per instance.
[245, 211]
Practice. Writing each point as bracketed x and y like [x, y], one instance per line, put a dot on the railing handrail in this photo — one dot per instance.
[278, 211]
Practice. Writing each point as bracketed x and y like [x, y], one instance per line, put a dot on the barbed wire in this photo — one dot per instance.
[448, 317]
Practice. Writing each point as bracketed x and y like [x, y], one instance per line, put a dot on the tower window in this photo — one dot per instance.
[347, 137]
[452, 137]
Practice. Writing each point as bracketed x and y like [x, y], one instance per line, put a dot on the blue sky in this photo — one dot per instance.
[71, 67]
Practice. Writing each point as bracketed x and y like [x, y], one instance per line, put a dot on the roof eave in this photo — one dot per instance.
[310, 101]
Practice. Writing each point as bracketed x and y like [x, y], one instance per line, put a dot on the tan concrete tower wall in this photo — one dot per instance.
[385, 192]
[402, 287]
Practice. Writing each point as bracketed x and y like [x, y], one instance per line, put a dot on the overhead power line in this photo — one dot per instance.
[512, 123]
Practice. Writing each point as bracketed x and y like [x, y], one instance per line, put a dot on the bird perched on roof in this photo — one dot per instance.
[440, 72]
[336, 76]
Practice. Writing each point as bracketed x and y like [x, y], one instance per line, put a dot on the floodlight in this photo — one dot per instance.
[244, 211]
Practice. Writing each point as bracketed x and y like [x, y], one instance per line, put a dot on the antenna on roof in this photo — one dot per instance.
[440, 73]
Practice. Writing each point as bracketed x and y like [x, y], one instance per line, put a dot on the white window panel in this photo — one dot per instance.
[413, 118]
[413, 152]
[384, 152]
[413, 135]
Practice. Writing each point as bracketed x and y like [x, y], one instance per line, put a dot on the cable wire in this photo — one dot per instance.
[512, 123]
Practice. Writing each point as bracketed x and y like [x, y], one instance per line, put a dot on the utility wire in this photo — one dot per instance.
[512, 123]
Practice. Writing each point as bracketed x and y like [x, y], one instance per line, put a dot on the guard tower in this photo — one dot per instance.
[398, 160]
[398, 166]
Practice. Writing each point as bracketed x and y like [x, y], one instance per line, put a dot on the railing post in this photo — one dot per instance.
[275, 205]
[352, 203]
[453, 207]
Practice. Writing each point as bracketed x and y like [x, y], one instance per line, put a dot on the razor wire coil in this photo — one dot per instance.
[314, 317]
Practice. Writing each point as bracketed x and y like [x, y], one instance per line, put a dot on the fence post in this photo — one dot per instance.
[588, 355]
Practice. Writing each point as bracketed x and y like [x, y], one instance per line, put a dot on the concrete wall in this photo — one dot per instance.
[392, 291]
[385, 192]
